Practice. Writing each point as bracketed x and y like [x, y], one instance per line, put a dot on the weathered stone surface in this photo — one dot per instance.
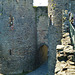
[68, 47]
[55, 22]
[70, 57]
[61, 73]
[60, 55]
[71, 70]
[65, 57]
[19, 39]
[71, 67]
[57, 69]
[74, 57]
[42, 26]
[71, 63]
[69, 51]
[66, 41]
[63, 62]
[19, 42]
[65, 35]
[72, 6]
[60, 47]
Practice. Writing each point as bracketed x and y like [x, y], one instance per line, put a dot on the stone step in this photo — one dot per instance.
[66, 34]
[61, 73]
[70, 73]
[60, 55]
[71, 63]
[71, 70]
[71, 67]
[60, 47]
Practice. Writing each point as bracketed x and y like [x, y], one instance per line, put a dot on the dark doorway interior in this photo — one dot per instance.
[43, 51]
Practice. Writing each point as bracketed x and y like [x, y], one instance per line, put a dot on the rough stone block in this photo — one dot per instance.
[60, 47]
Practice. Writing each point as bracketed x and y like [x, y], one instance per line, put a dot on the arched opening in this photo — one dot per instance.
[43, 53]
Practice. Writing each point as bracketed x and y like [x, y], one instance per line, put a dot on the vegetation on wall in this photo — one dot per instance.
[53, 5]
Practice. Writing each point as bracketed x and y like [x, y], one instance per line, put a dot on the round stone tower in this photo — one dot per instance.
[55, 28]
[17, 36]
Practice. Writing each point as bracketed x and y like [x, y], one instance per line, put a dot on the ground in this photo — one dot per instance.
[42, 70]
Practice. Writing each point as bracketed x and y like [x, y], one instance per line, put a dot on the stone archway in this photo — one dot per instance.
[43, 53]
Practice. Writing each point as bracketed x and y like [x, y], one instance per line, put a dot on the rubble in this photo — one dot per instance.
[65, 56]
[60, 47]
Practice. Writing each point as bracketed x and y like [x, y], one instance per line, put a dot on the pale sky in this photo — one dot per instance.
[40, 2]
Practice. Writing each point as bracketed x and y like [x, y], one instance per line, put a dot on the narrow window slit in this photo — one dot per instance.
[10, 52]
[50, 19]
[11, 20]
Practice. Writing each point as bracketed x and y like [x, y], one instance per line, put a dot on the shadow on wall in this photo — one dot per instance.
[43, 51]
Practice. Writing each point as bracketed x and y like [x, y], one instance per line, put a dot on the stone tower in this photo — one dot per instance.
[24, 28]
[17, 36]
[72, 6]
[55, 26]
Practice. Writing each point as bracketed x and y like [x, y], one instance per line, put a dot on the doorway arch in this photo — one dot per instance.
[43, 53]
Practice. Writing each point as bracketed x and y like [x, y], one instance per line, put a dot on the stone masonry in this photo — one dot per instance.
[42, 32]
[72, 6]
[55, 8]
[65, 64]
[17, 36]
[55, 21]
[42, 26]
[20, 35]
[24, 29]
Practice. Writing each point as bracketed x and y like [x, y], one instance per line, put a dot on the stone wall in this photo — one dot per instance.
[42, 33]
[24, 29]
[65, 52]
[55, 28]
[73, 6]
[17, 36]
[66, 4]
[42, 26]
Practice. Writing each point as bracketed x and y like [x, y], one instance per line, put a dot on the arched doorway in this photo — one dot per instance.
[43, 53]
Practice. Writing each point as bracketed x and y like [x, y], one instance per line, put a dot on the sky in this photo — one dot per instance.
[40, 2]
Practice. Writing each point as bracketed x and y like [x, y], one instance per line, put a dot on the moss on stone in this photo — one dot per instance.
[35, 6]
[52, 0]
[0, 14]
[53, 8]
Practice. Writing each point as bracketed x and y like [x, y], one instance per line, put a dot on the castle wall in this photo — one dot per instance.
[54, 35]
[42, 33]
[66, 4]
[17, 36]
[73, 6]
[42, 26]
[24, 29]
